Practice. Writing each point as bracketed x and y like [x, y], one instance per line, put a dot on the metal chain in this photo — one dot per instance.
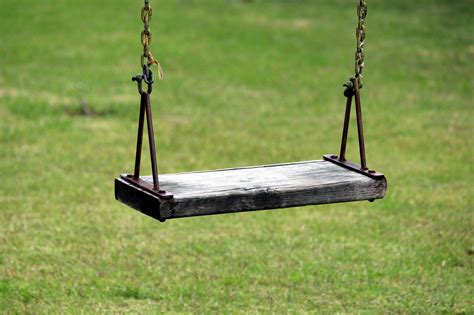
[360, 35]
[146, 59]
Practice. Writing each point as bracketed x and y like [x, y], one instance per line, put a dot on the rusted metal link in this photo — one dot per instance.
[360, 36]
[148, 77]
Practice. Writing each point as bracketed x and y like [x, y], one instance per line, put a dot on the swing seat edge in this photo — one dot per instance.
[252, 188]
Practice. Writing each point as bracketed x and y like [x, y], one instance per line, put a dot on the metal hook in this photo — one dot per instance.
[349, 89]
[147, 77]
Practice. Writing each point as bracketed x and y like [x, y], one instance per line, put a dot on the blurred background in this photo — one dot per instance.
[246, 82]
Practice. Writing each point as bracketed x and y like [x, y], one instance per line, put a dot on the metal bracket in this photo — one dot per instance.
[147, 186]
[352, 91]
[352, 166]
[145, 110]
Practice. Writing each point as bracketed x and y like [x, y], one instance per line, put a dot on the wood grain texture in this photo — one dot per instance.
[251, 188]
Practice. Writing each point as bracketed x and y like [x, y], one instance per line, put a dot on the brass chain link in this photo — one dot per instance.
[146, 59]
[360, 35]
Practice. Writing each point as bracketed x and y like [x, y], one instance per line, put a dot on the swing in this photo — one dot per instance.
[331, 180]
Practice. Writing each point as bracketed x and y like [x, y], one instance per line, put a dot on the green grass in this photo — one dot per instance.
[246, 83]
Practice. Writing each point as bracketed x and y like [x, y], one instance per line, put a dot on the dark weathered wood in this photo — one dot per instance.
[251, 188]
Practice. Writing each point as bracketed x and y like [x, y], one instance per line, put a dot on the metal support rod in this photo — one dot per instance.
[360, 127]
[138, 153]
[345, 130]
[151, 139]
[145, 110]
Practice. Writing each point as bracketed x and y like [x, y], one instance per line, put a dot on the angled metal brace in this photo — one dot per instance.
[353, 91]
[145, 110]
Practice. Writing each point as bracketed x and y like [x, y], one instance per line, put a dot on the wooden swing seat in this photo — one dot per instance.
[251, 188]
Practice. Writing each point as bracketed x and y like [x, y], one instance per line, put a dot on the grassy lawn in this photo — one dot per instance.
[247, 82]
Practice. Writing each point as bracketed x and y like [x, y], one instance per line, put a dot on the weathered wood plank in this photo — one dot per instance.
[251, 188]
